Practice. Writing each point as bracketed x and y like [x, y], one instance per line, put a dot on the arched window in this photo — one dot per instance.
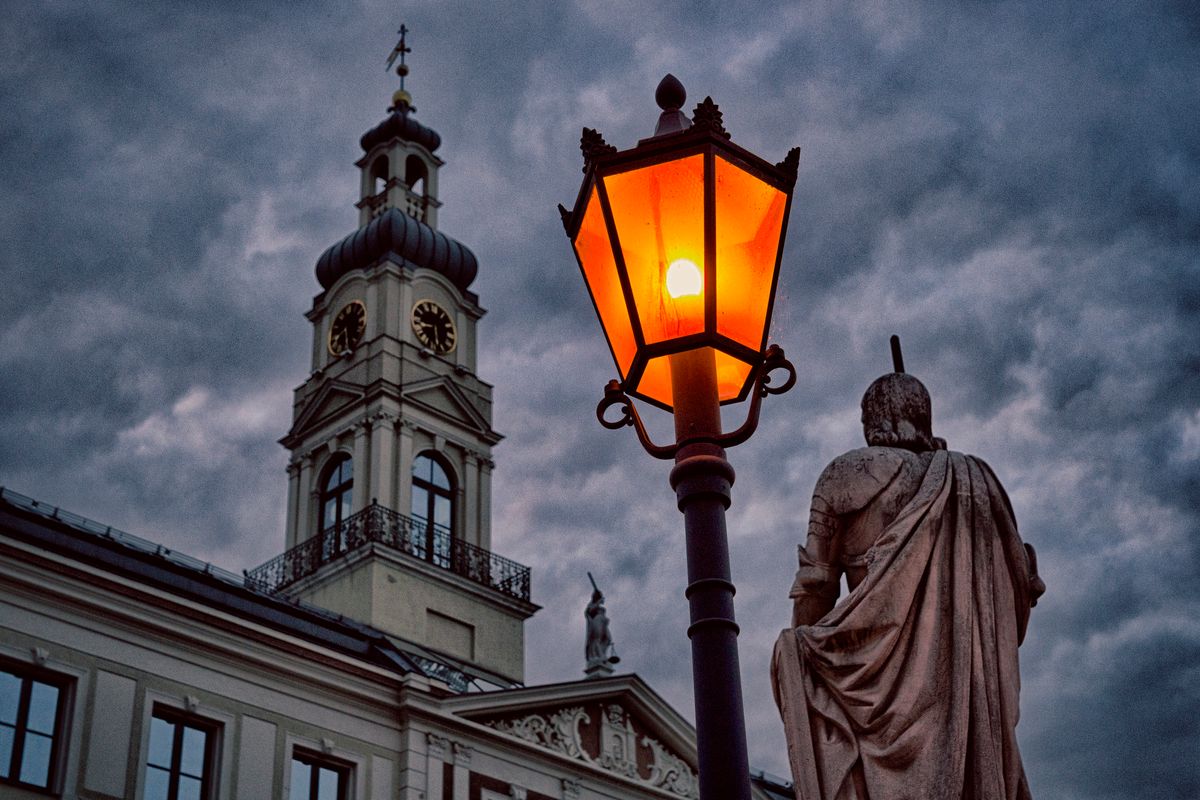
[433, 508]
[337, 492]
[379, 175]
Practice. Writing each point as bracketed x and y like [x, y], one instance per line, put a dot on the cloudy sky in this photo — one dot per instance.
[1013, 188]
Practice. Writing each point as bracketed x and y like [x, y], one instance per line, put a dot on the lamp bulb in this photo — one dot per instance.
[684, 279]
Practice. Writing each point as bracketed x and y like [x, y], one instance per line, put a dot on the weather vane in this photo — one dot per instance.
[401, 99]
[399, 51]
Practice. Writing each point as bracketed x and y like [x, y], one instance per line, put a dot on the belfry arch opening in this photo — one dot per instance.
[379, 175]
[415, 175]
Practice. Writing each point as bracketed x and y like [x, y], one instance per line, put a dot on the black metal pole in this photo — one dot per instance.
[702, 478]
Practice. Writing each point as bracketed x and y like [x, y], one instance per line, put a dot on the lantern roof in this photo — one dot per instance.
[674, 135]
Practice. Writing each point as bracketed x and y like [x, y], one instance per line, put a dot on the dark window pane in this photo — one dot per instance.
[10, 697]
[346, 468]
[423, 468]
[327, 784]
[441, 511]
[43, 706]
[300, 780]
[158, 782]
[192, 760]
[35, 761]
[162, 739]
[439, 475]
[189, 788]
[6, 745]
[420, 502]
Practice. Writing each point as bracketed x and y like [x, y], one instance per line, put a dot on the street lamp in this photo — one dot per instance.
[679, 242]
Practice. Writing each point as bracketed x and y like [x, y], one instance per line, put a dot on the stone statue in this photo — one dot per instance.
[601, 654]
[909, 687]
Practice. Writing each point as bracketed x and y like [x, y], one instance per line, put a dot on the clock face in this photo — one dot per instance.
[348, 328]
[433, 326]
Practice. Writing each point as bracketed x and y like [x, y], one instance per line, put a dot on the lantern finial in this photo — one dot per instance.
[670, 96]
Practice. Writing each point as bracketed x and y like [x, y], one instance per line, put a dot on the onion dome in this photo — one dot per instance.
[395, 233]
[400, 125]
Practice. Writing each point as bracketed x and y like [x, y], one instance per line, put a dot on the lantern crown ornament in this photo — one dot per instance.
[679, 241]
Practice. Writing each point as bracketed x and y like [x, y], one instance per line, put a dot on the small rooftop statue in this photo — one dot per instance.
[909, 687]
[601, 654]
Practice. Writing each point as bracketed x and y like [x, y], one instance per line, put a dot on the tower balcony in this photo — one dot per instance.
[398, 195]
[376, 524]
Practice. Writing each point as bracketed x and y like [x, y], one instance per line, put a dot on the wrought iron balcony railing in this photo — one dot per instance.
[416, 537]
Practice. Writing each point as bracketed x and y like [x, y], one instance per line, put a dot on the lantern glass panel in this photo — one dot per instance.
[731, 377]
[659, 215]
[749, 224]
[600, 270]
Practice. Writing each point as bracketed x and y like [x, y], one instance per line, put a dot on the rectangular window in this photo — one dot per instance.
[317, 778]
[32, 718]
[182, 757]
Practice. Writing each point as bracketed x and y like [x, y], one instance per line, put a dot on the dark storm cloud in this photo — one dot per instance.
[1013, 188]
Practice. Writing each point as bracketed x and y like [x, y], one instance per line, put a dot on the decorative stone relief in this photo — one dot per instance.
[518, 793]
[437, 746]
[40, 654]
[618, 743]
[326, 745]
[462, 755]
[191, 703]
[558, 732]
[670, 772]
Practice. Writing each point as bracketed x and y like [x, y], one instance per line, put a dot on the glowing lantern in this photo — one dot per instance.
[679, 241]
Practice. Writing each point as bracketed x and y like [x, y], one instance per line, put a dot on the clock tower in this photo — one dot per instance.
[389, 481]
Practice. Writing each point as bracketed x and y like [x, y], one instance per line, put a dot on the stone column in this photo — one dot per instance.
[383, 446]
[485, 502]
[405, 429]
[293, 473]
[471, 498]
[362, 470]
[462, 770]
[305, 502]
[437, 749]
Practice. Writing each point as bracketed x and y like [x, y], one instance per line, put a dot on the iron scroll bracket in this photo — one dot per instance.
[773, 360]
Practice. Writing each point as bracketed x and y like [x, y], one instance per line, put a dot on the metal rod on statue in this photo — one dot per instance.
[702, 478]
[897, 356]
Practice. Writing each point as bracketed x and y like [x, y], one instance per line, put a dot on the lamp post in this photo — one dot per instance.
[679, 242]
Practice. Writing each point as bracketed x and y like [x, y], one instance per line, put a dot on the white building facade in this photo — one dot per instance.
[381, 655]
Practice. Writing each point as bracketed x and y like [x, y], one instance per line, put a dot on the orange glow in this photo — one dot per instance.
[659, 216]
[656, 380]
[749, 221]
[600, 270]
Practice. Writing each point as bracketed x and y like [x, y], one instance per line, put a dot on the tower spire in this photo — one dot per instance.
[401, 99]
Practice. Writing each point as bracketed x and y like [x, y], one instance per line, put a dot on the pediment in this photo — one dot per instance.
[332, 399]
[441, 397]
[618, 732]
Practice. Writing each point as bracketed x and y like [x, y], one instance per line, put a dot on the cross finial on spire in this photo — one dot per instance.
[401, 99]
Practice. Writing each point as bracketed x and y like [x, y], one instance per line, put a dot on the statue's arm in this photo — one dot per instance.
[815, 590]
[846, 486]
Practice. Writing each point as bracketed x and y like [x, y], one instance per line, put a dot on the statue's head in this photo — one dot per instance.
[896, 412]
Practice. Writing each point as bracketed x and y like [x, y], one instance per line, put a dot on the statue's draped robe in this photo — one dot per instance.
[908, 688]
